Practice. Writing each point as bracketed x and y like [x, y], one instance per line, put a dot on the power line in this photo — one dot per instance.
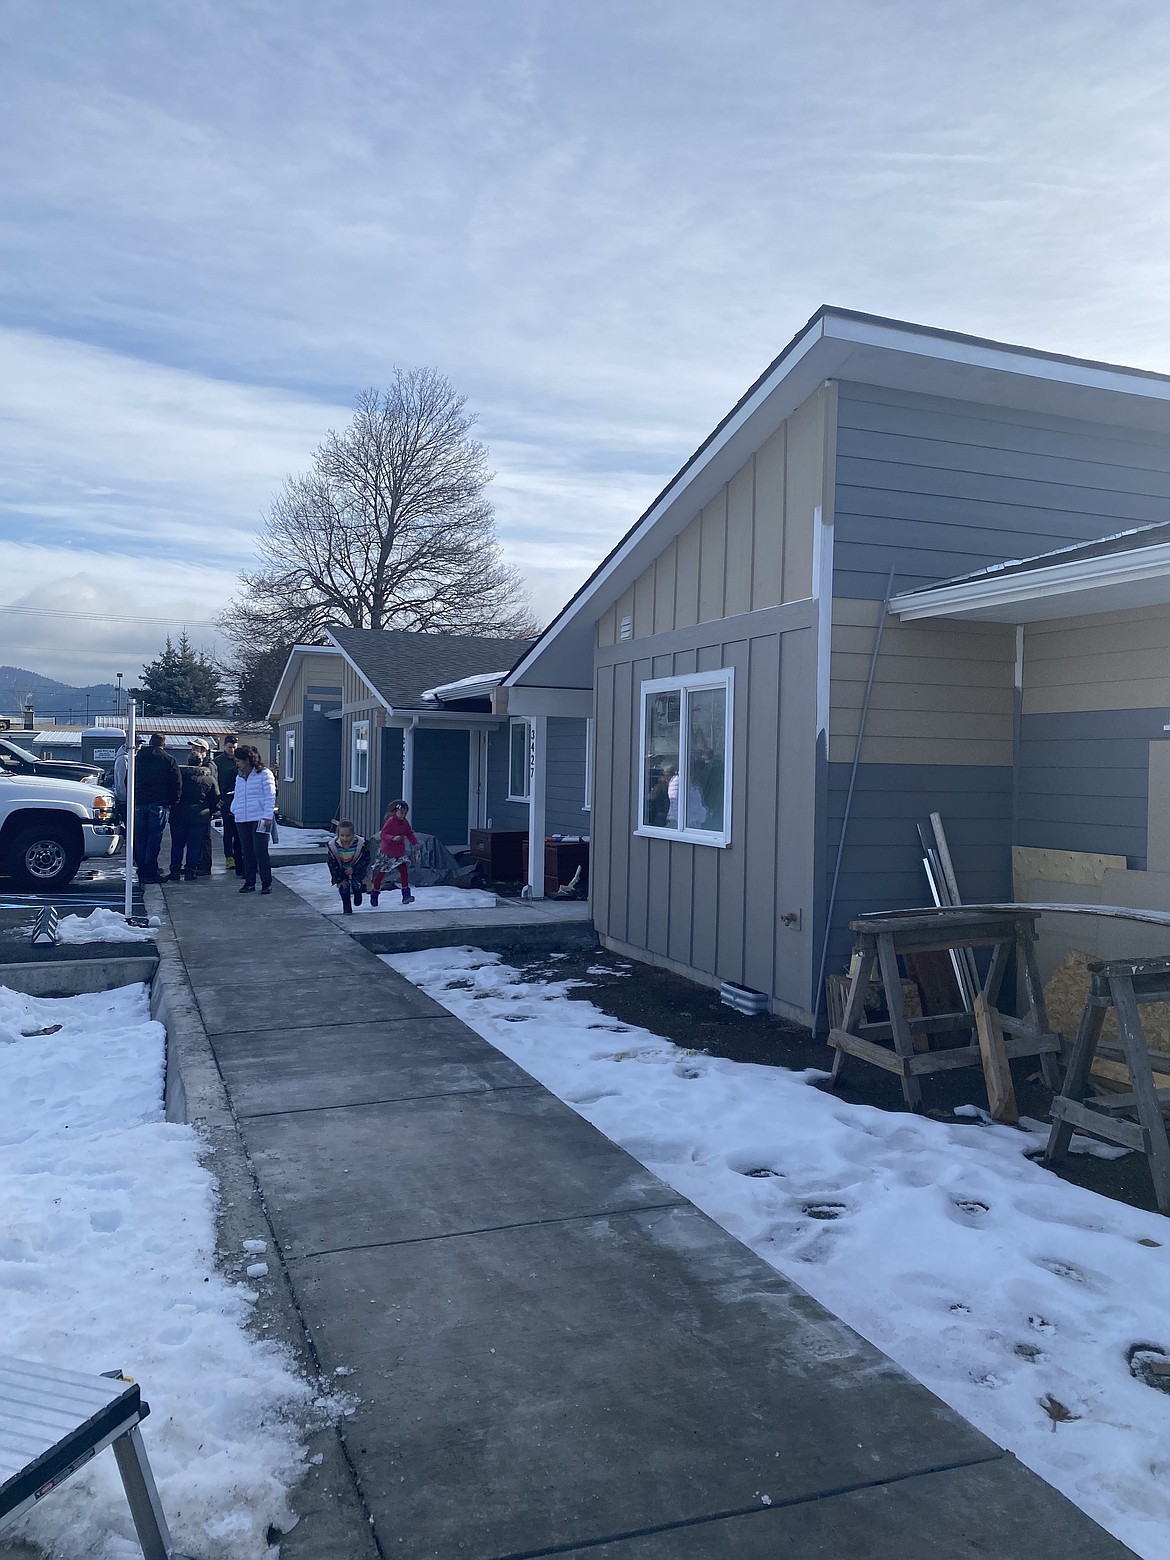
[112, 617]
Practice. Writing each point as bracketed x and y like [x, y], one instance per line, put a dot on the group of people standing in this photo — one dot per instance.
[237, 786]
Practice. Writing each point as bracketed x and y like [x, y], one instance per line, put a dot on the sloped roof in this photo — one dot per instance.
[401, 666]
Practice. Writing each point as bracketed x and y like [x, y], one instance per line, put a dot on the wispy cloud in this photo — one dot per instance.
[220, 221]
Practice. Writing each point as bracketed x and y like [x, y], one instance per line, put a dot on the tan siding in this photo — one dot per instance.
[803, 493]
[751, 546]
[942, 692]
[712, 558]
[665, 571]
[687, 583]
[1111, 661]
[768, 528]
[737, 589]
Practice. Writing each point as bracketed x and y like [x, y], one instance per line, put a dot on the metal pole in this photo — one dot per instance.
[130, 736]
[877, 644]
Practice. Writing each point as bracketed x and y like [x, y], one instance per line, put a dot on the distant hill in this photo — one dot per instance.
[49, 697]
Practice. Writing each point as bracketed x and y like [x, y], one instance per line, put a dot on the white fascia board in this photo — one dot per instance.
[638, 548]
[1008, 599]
[289, 673]
[349, 660]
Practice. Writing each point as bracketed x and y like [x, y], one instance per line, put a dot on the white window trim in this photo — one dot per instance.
[520, 720]
[686, 685]
[290, 754]
[364, 727]
[587, 805]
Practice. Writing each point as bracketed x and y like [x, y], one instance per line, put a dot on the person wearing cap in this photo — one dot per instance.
[225, 768]
[191, 814]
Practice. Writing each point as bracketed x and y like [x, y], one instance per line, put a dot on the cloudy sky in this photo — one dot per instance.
[599, 218]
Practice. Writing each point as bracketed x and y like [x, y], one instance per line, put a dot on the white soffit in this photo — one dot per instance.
[1114, 583]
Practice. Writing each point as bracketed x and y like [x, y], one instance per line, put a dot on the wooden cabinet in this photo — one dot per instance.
[561, 860]
[503, 853]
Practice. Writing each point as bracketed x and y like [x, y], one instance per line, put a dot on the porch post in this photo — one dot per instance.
[408, 763]
[537, 765]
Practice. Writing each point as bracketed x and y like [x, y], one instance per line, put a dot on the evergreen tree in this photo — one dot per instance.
[181, 681]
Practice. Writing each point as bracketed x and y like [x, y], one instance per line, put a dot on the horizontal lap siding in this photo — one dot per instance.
[1100, 762]
[501, 813]
[934, 487]
[565, 777]
[1111, 661]
[882, 866]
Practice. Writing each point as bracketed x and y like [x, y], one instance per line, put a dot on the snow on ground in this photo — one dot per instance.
[1013, 1295]
[106, 1262]
[299, 839]
[102, 925]
[313, 885]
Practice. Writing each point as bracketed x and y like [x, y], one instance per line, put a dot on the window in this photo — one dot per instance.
[587, 805]
[519, 762]
[290, 753]
[359, 757]
[685, 779]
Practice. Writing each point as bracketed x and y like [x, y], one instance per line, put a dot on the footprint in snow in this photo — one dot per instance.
[827, 1211]
[1067, 1270]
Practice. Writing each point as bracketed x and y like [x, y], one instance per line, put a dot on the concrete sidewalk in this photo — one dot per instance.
[554, 1352]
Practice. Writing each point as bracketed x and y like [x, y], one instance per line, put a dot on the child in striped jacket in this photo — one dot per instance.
[348, 856]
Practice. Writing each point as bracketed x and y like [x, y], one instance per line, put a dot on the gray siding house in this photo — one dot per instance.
[726, 646]
[375, 715]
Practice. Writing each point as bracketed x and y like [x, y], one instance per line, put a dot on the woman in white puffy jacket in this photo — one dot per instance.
[253, 808]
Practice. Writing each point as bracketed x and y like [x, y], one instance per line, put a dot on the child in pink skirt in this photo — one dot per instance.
[398, 839]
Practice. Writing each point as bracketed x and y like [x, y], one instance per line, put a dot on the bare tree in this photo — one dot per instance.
[389, 529]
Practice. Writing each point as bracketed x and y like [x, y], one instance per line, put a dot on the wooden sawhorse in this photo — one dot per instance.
[53, 1421]
[879, 941]
[1124, 986]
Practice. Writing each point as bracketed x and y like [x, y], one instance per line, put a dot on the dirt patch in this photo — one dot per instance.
[694, 1018]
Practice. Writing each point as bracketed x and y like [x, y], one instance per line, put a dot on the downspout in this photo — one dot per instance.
[832, 904]
[408, 762]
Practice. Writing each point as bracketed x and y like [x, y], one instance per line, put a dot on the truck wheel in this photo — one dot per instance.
[44, 858]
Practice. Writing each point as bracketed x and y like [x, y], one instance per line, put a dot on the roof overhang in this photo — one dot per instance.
[478, 687]
[1113, 583]
[842, 345]
[295, 655]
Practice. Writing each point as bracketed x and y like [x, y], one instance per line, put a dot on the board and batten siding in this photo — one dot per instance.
[1096, 691]
[934, 487]
[752, 546]
[363, 809]
[564, 780]
[315, 687]
[715, 913]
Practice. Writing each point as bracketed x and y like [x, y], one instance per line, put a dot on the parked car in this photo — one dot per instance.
[16, 760]
[48, 826]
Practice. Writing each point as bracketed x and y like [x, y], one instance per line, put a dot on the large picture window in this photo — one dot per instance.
[685, 780]
[359, 757]
[519, 741]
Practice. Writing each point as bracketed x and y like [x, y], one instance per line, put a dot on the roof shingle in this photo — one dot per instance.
[401, 665]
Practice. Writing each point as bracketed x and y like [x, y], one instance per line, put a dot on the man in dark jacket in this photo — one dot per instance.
[225, 768]
[157, 787]
[191, 814]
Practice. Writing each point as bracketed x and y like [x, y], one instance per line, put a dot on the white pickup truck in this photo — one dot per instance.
[48, 826]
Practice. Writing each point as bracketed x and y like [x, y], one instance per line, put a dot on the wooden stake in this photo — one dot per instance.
[1001, 1093]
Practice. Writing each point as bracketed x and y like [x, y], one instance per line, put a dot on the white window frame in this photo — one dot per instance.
[290, 754]
[685, 686]
[514, 796]
[360, 731]
[587, 805]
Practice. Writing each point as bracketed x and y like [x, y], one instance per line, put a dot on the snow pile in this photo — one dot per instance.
[1014, 1296]
[313, 885]
[106, 1262]
[101, 925]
